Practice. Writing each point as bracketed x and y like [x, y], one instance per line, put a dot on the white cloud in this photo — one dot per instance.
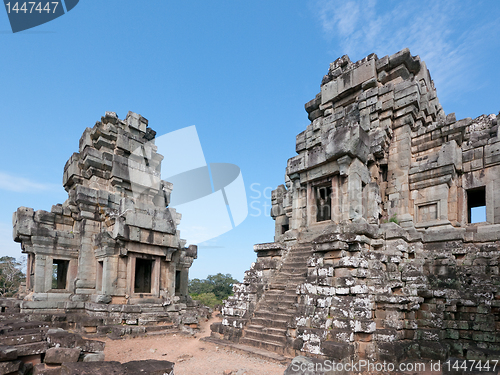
[23, 185]
[441, 33]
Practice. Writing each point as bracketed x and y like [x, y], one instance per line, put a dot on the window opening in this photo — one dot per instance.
[143, 271]
[59, 273]
[323, 203]
[476, 205]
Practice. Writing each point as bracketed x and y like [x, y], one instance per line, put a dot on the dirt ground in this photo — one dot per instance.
[190, 355]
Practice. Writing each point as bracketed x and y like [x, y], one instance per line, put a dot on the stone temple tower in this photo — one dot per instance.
[114, 240]
[387, 237]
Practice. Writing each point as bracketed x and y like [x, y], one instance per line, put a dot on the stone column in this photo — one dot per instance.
[311, 205]
[39, 279]
[355, 188]
[49, 261]
[398, 167]
[184, 282]
[109, 274]
[86, 261]
[336, 200]
[495, 199]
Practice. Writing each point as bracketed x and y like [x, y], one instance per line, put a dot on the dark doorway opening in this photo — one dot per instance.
[476, 205]
[100, 268]
[143, 272]
[324, 203]
[59, 273]
[284, 228]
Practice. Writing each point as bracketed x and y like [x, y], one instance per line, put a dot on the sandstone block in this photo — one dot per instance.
[92, 368]
[54, 356]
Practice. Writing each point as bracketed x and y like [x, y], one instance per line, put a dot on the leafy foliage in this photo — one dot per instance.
[394, 219]
[11, 276]
[207, 299]
[212, 290]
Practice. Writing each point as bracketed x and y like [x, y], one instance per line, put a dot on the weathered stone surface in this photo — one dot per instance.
[32, 348]
[150, 367]
[114, 241]
[93, 357]
[92, 368]
[9, 367]
[7, 353]
[44, 369]
[147, 367]
[376, 255]
[55, 356]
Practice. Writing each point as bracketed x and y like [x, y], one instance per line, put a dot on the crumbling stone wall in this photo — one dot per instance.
[239, 307]
[381, 193]
[115, 240]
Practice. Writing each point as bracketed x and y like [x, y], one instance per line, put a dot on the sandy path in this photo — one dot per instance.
[191, 356]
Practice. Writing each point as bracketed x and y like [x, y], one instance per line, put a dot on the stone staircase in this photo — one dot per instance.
[267, 329]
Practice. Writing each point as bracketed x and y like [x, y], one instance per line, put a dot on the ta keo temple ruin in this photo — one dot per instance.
[109, 261]
[113, 246]
[387, 234]
[378, 251]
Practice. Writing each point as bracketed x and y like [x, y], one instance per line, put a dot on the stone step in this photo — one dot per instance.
[287, 281]
[285, 296]
[160, 328]
[293, 264]
[271, 330]
[279, 310]
[271, 305]
[267, 345]
[282, 298]
[287, 274]
[286, 292]
[298, 259]
[265, 314]
[278, 286]
[263, 336]
[15, 316]
[300, 252]
[275, 323]
[254, 351]
[23, 337]
[290, 277]
[268, 325]
[287, 309]
[20, 326]
[22, 332]
[32, 348]
[302, 272]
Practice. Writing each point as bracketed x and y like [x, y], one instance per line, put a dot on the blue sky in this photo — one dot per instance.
[240, 71]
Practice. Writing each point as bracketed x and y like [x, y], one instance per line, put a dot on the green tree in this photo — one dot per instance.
[222, 285]
[11, 276]
[207, 299]
[197, 286]
[212, 290]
